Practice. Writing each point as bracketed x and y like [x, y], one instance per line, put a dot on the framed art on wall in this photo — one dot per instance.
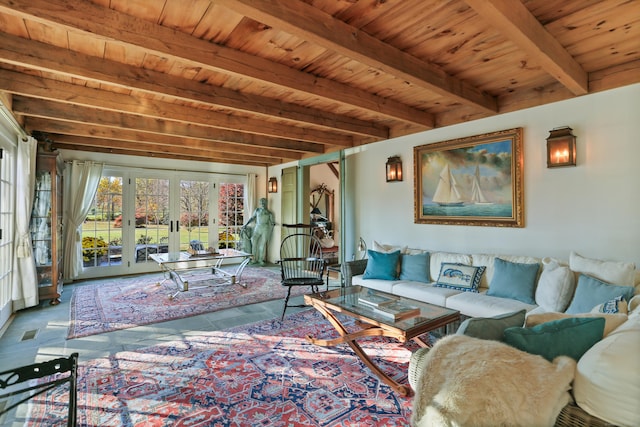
[476, 180]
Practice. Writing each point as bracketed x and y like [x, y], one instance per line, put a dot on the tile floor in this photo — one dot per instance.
[50, 324]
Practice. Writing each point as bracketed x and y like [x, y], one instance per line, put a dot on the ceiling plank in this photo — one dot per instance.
[302, 19]
[40, 56]
[514, 21]
[167, 42]
[31, 86]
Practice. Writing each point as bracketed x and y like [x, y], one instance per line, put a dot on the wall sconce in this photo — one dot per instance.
[272, 186]
[561, 148]
[394, 169]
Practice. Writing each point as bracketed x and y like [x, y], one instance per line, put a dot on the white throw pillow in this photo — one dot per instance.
[386, 249]
[555, 286]
[607, 384]
[617, 273]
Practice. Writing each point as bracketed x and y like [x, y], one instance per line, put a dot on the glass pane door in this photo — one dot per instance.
[152, 218]
[195, 212]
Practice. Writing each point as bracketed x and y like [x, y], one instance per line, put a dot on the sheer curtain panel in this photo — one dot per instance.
[24, 292]
[81, 181]
[250, 196]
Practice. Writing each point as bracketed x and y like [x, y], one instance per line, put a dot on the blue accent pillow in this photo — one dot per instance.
[382, 265]
[460, 276]
[514, 280]
[571, 336]
[591, 292]
[491, 328]
[415, 267]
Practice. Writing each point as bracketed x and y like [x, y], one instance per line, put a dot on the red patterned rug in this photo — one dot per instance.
[263, 374]
[120, 303]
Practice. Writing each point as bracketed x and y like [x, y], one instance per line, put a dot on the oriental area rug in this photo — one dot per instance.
[262, 374]
[126, 302]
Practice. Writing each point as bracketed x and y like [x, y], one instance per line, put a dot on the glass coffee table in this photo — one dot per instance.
[173, 263]
[378, 314]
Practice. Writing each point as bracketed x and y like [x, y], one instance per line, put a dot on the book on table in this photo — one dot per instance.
[374, 299]
[396, 311]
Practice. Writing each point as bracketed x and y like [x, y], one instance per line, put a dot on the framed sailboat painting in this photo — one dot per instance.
[476, 180]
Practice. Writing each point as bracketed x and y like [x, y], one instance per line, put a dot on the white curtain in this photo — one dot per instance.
[250, 196]
[24, 290]
[81, 185]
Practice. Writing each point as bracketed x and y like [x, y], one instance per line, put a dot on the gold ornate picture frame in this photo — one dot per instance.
[477, 180]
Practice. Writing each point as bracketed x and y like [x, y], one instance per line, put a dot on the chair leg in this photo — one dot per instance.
[286, 302]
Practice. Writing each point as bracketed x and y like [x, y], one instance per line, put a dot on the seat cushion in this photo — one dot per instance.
[424, 292]
[377, 284]
[480, 305]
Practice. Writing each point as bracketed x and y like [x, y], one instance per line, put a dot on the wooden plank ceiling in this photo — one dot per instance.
[263, 82]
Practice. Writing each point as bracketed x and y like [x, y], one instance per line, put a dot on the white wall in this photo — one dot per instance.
[593, 208]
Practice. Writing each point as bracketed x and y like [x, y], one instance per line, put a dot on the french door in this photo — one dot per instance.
[140, 213]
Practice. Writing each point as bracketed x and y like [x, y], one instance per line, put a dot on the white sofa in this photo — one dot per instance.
[550, 286]
[606, 385]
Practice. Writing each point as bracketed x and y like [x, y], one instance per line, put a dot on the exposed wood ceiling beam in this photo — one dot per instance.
[515, 22]
[166, 42]
[154, 149]
[302, 19]
[132, 137]
[57, 111]
[44, 57]
[31, 86]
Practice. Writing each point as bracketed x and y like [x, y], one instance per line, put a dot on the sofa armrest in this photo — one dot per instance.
[353, 268]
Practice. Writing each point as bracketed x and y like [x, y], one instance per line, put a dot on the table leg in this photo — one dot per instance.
[236, 276]
[349, 338]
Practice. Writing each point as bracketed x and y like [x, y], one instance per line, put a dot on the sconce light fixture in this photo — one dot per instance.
[394, 169]
[561, 148]
[272, 186]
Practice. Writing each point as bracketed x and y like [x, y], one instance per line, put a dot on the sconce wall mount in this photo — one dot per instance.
[272, 185]
[561, 148]
[394, 169]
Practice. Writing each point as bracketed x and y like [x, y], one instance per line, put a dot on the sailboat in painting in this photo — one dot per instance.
[447, 192]
[477, 196]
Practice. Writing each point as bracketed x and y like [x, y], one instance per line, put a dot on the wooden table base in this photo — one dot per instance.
[350, 338]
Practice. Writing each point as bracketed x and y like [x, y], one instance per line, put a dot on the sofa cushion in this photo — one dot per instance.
[607, 384]
[563, 337]
[489, 259]
[491, 328]
[480, 305]
[620, 273]
[613, 306]
[591, 292]
[611, 321]
[514, 280]
[436, 259]
[555, 286]
[382, 265]
[459, 276]
[384, 248]
[377, 284]
[425, 292]
[415, 267]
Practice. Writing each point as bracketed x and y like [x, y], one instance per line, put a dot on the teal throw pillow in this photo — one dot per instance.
[591, 292]
[491, 328]
[514, 280]
[571, 336]
[382, 265]
[415, 267]
[460, 276]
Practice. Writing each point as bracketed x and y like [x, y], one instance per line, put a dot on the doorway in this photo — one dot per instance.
[137, 213]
